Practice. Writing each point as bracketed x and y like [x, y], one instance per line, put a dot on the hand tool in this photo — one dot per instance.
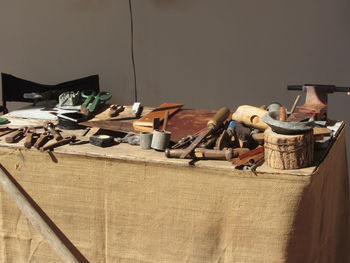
[114, 110]
[295, 104]
[243, 134]
[165, 122]
[282, 114]
[223, 141]
[156, 124]
[70, 120]
[258, 137]
[250, 116]
[225, 154]
[146, 121]
[250, 157]
[212, 125]
[92, 100]
[44, 138]
[101, 140]
[6, 130]
[316, 101]
[256, 165]
[287, 127]
[16, 136]
[58, 143]
[51, 128]
[184, 141]
[30, 133]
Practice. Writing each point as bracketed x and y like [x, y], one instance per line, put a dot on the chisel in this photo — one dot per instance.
[213, 124]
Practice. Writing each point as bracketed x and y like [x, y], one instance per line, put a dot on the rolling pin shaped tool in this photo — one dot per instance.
[213, 124]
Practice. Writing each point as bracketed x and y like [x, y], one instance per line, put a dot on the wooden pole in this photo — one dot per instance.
[65, 250]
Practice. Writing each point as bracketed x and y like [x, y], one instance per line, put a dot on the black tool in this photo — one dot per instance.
[102, 140]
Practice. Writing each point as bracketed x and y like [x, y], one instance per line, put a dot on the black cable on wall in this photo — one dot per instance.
[132, 50]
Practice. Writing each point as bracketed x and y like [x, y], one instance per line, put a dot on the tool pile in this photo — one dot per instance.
[246, 137]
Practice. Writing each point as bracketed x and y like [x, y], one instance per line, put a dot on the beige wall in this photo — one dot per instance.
[203, 53]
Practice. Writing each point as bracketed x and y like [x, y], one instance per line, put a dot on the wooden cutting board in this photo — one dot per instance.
[145, 123]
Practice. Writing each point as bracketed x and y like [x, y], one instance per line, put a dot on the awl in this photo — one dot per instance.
[213, 124]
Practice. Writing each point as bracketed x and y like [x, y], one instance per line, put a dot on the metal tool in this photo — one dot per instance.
[212, 125]
[16, 136]
[30, 133]
[316, 101]
[102, 140]
[287, 127]
[250, 157]
[44, 138]
[51, 128]
[53, 145]
[92, 100]
[114, 110]
[6, 130]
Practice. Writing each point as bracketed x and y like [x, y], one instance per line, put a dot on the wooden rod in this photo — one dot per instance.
[25, 204]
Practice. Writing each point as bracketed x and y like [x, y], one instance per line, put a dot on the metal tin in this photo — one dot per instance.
[146, 140]
[160, 140]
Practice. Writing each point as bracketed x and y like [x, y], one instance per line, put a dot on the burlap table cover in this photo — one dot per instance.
[117, 210]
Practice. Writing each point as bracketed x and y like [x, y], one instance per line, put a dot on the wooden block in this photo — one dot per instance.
[288, 152]
[159, 112]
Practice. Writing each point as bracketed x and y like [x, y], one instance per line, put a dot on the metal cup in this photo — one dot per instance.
[161, 140]
[146, 140]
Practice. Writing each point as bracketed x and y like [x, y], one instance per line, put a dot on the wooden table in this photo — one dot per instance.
[125, 204]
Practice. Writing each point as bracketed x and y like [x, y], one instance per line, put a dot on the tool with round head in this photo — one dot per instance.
[212, 125]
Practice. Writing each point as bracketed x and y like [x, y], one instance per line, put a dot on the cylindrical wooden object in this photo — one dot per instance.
[288, 152]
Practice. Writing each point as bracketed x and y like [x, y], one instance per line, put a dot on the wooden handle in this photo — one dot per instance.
[282, 114]
[12, 138]
[42, 140]
[220, 116]
[166, 117]
[29, 140]
[58, 143]
[53, 131]
[225, 154]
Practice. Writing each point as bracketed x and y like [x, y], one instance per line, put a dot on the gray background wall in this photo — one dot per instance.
[204, 53]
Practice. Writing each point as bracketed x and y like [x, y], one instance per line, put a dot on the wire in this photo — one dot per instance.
[132, 49]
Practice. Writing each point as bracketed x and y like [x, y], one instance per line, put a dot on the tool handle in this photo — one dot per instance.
[42, 140]
[29, 140]
[58, 143]
[225, 154]
[342, 89]
[294, 87]
[165, 122]
[220, 116]
[14, 136]
[53, 131]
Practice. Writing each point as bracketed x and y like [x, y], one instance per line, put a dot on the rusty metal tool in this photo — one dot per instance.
[30, 133]
[114, 110]
[16, 136]
[53, 145]
[44, 138]
[6, 130]
[250, 157]
[51, 128]
[202, 153]
[316, 101]
[212, 125]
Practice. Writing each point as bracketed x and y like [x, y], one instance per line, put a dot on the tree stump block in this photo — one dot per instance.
[288, 152]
